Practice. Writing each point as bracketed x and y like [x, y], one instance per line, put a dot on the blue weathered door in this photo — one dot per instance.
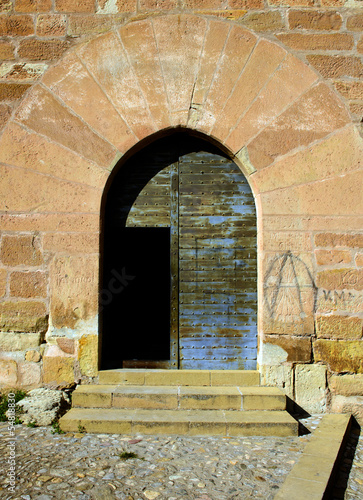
[217, 265]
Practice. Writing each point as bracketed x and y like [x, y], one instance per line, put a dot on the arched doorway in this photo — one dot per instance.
[179, 287]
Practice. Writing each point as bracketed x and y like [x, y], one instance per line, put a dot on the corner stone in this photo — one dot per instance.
[8, 372]
[340, 355]
[88, 355]
[310, 387]
[58, 369]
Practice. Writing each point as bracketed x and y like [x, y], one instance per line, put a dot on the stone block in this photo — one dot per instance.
[340, 355]
[29, 375]
[73, 84]
[33, 356]
[348, 301]
[332, 257]
[33, 5]
[348, 404]
[8, 373]
[5, 112]
[314, 20]
[16, 25]
[79, 6]
[286, 133]
[264, 21]
[11, 342]
[74, 289]
[44, 114]
[140, 44]
[298, 349]
[67, 345]
[340, 279]
[21, 250]
[42, 50]
[23, 317]
[355, 22]
[339, 327]
[310, 387]
[359, 259]
[104, 56]
[3, 281]
[58, 369]
[280, 376]
[52, 194]
[337, 66]
[337, 154]
[51, 25]
[13, 91]
[261, 65]
[327, 239]
[333, 41]
[346, 385]
[88, 355]
[236, 53]
[350, 90]
[294, 78]
[28, 285]
[7, 51]
[25, 149]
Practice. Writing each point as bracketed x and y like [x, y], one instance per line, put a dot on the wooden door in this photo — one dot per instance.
[180, 218]
[217, 265]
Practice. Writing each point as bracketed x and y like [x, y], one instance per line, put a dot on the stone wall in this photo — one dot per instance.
[295, 134]
[326, 33]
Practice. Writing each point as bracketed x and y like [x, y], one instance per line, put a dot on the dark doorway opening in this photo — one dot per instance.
[179, 235]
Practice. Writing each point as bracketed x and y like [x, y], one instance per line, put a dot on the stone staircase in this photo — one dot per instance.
[191, 402]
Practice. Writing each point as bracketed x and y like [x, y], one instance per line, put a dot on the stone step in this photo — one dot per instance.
[241, 378]
[186, 422]
[179, 397]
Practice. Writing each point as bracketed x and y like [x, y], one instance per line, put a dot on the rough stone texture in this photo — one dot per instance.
[42, 50]
[328, 239]
[3, 281]
[74, 290]
[359, 259]
[67, 345]
[346, 385]
[23, 317]
[352, 404]
[340, 356]
[314, 20]
[340, 279]
[12, 91]
[310, 387]
[332, 257]
[29, 375]
[28, 285]
[88, 355]
[19, 341]
[8, 373]
[32, 5]
[33, 356]
[58, 369]
[21, 250]
[43, 406]
[339, 327]
[51, 25]
[298, 349]
[278, 376]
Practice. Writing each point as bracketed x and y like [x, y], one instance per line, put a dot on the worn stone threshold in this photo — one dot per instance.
[312, 475]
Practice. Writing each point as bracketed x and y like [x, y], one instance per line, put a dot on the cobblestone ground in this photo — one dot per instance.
[91, 466]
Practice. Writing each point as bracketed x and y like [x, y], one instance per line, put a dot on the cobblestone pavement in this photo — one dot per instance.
[91, 466]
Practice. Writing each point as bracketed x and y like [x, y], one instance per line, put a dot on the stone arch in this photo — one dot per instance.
[287, 130]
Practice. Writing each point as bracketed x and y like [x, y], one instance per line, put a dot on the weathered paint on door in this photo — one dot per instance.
[204, 205]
